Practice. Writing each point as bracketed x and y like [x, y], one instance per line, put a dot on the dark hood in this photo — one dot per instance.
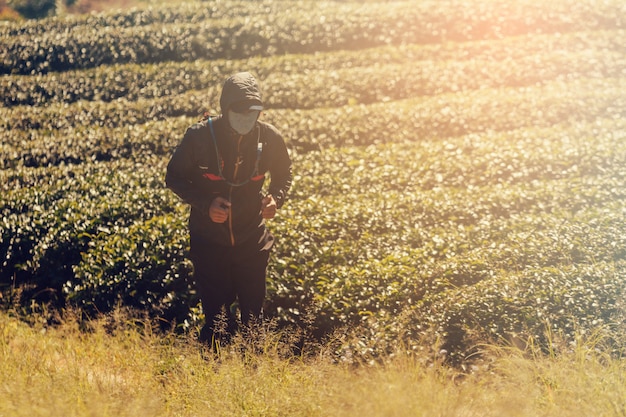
[240, 87]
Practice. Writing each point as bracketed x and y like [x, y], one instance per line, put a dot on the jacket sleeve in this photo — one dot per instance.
[179, 175]
[280, 172]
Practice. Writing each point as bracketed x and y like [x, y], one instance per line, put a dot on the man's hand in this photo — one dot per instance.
[268, 207]
[219, 210]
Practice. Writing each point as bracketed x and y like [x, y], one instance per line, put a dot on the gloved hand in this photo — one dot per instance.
[268, 207]
[219, 210]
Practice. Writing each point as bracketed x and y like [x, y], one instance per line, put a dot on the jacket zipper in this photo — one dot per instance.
[230, 192]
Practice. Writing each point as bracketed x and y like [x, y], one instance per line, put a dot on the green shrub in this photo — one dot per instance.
[143, 266]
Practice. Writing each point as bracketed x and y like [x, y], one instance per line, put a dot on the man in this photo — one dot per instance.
[219, 168]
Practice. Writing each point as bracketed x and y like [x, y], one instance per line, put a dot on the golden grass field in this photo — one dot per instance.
[119, 368]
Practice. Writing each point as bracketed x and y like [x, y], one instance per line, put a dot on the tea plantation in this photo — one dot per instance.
[460, 165]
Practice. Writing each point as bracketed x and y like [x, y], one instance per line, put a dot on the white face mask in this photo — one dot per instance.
[243, 123]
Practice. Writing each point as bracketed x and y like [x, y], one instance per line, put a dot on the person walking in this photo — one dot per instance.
[219, 169]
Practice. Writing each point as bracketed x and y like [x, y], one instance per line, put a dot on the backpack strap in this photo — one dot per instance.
[259, 151]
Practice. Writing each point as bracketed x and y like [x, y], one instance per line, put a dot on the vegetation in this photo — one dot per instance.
[454, 243]
[459, 175]
[119, 366]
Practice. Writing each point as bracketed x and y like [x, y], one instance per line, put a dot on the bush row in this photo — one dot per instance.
[543, 305]
[436, 255]
[53, 218]
[84, 144]
[425, 69]
[105, 131]
[190, 12]
[292, 30]
[50, 216]
[523, 156]
[606, 13]
[145, 266]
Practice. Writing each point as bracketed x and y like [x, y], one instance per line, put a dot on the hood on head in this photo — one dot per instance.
[241, 92]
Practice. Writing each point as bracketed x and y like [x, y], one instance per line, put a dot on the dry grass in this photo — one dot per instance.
[117, 368]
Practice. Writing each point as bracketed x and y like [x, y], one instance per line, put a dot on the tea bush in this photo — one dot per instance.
[103, 131]
[50, 216]
[441, 68]
[143, 266]
[276, 31]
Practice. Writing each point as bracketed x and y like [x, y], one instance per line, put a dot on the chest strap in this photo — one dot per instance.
[259, 150]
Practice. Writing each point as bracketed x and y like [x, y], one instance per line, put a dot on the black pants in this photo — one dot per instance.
[225, 274]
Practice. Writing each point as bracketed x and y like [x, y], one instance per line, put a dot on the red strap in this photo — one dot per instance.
[212, 177]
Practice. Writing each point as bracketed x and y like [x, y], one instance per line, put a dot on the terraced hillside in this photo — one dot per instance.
[460, 165]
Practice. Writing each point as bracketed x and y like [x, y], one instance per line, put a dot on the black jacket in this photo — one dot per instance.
[193, 173]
